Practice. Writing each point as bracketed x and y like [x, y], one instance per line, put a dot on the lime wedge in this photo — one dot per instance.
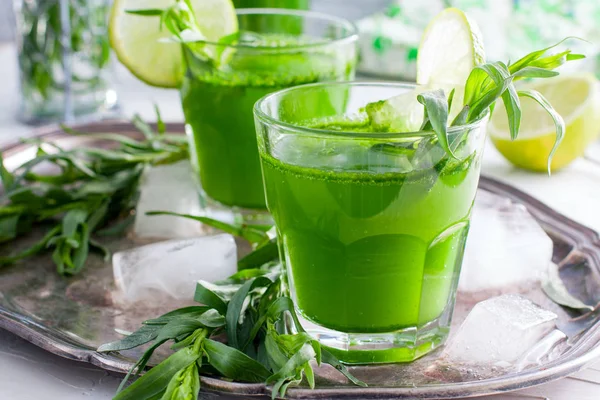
[141, 46]
[576, 98]
[450, 48]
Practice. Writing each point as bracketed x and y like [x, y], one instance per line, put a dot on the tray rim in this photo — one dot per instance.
[586, 240]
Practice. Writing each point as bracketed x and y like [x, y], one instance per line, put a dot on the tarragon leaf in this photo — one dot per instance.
[555, 289]
[330, 359]
[8, 227]
[558, 120]
[292, 371]
[248, 232]
[145, 334]
[513, 110]
[551, 62]
[208, 297]
[259, 257]
[177, 327]
[234, 364]
[33, 249]
[534, 72]
[436, 104]
[157, 379]
[147, 12]
[235, 306]
[186, 312]
[535, 55]
[480, 102]
[6, 178]
[185, 385]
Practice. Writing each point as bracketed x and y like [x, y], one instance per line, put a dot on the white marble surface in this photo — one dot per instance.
[28, 373]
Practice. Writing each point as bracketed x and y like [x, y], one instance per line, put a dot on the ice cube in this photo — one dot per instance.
[173, 267]
[168, 188]
[500, 331]
[506, 247]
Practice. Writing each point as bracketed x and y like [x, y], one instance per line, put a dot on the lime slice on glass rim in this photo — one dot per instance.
[140, 44]
[450, 48]
[575, 98]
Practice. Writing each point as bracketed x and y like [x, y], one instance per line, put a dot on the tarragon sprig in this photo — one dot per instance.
[250, 309]
[489, 82]
[91, 189]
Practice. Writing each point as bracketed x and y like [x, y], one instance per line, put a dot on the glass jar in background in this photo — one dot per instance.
[293, 4]
[63, 55]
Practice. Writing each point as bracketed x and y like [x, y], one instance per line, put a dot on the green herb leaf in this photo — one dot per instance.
[555, 289]
[292, 371]
[147, 12]
[185, 385]
[234, 364]
[142, 336]
[262, 255]
[143, 127]
[513, 110]
[234, 309]
[177, 327]
[558, 120]
[534, 72]
[157, 379]
[34, 249]
[160, 125]
[6, 177]
[208, 297]
[533, 56]
[190, 312]
[492, 85]
[9, 227]
[252, 234]
[100, 248]
[212, 319]
[330, 359]
[436, 104]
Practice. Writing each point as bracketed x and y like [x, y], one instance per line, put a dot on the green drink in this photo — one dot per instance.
[217, 103]
[372, 226]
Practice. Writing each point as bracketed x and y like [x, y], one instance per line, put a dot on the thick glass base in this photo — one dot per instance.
[404, 345]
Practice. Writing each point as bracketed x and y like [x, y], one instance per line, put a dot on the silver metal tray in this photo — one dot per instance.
[72, 317]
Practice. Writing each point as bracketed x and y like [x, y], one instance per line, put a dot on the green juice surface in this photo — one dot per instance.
[369, 252]
[218, 107]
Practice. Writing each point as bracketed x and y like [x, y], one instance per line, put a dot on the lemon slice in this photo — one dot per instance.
[140, 44]
[575, 98]
[450, 48]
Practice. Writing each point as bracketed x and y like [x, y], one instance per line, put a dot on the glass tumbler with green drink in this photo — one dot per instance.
[371, 225]
[223, 60]
[282, 48]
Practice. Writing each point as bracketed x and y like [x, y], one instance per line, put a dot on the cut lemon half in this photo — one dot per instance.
[575, 98]
[140, 44]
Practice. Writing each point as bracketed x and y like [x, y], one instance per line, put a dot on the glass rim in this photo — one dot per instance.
[272, 121]
[351, 36]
